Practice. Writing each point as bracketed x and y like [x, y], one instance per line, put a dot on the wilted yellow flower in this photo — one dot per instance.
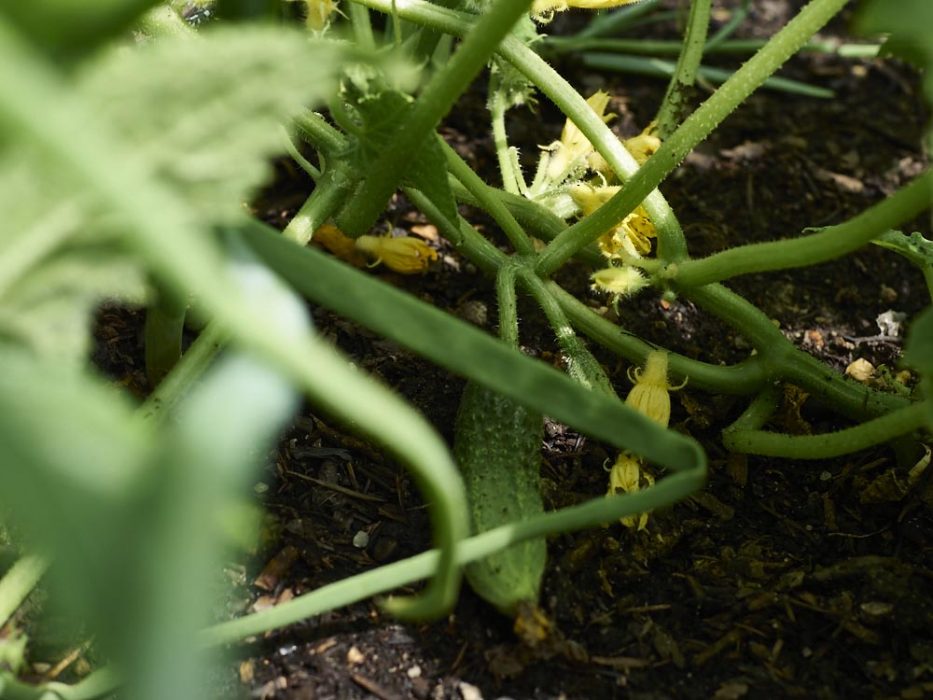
[643, 146]
[619, 281]
[572, 152]
[405, 254]
[340, 244]
[631, 236]
[627, 476]
[543, 10]
[650, 394]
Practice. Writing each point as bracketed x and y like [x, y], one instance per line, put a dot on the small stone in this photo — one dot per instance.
[414, 672]
[361, 539]
[355, 657]
[861, 370]
[469, 692]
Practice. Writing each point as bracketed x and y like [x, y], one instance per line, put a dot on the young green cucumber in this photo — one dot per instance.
[498, 447]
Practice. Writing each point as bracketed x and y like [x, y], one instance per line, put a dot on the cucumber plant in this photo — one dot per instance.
[148, 135]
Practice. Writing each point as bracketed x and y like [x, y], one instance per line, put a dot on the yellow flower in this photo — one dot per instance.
[571, 154]
[626, 476]
[619, 281]
[650, 395]
[543, 10]
[643, 146]
[405, 254]
[631, 236]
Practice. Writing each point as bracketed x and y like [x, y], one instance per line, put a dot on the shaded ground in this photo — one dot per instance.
[781, 579]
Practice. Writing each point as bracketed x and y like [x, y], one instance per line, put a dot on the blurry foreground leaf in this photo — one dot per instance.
[203, 114]
[910, 25]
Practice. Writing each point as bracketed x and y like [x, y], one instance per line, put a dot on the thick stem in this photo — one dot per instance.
[328, 195]
[508, 305]
[826, 445]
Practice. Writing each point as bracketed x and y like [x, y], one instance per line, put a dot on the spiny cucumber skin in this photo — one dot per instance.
[498, 447]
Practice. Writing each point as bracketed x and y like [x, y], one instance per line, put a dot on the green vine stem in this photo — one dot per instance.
[464, 237]
[497, 109]
[696, 128]
[824, 446]
[676, 102]
[830, 243]
[656, 67]
[666, 47]
[781, 360]
[314, 129]
[485, 195]
[327, 197]
[581, 364]
[350, 590]
[434, 102]
[742, 378]
[193, 364]
[362, 27]
[508, 305]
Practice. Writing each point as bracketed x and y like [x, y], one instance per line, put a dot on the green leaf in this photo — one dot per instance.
[66, 29]
[49, 309]
[914, 247]
[910, 24]
[203, 114]
[381, 111]
[206, 113]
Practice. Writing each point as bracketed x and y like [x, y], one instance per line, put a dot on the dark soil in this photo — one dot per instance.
[781, 579]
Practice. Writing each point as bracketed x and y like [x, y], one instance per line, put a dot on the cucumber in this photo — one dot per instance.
[497, 444]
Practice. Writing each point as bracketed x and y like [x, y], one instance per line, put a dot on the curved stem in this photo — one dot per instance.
[874, 432]
[781, 360]
[696, 128]
[326, 198]
[830, 243]
[350, 590]
[314, 129]
[743, 378]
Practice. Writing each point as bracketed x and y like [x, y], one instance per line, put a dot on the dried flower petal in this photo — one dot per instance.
[627, 476]
[404, 254]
